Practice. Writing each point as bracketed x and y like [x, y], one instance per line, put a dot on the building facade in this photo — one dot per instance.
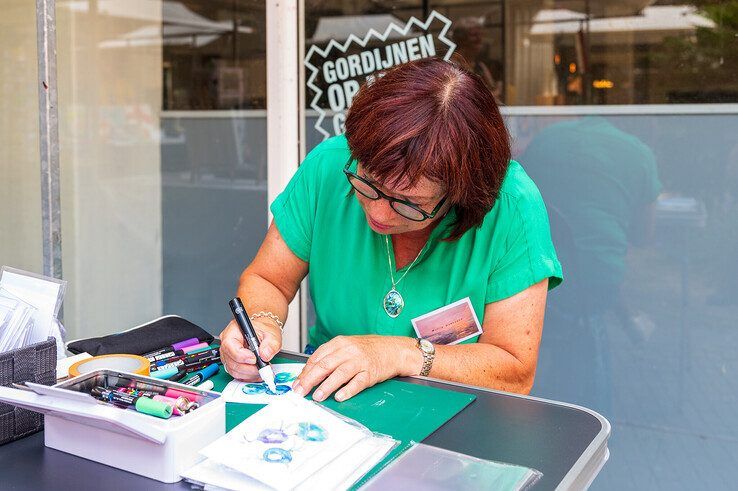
[179, 121]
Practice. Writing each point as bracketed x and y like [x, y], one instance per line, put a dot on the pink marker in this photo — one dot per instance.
[180, 406]
[195, 347]
[175, 393]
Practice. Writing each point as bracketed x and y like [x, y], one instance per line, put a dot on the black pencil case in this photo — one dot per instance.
[145, 338]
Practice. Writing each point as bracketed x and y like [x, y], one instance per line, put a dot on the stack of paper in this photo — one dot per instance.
[16, 321]
[29, 304]
[291, 444]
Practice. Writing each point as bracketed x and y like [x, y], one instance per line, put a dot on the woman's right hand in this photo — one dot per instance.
[238, 360]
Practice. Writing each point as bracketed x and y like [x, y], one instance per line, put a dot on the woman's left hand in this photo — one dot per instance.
[353, 363]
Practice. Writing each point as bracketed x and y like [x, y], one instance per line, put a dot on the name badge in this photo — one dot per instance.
[451, 324]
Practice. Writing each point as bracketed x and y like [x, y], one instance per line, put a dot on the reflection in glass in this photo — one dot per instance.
[599, 184]
[656, 353]
[20, 171]
[161, 210]
[643, 209]
[214, 55]
[586, 52]
[214, 162]
[580, 52]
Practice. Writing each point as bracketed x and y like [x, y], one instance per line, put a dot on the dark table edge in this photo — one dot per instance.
[587, 466]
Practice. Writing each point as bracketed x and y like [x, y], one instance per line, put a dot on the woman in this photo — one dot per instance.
[417, 206]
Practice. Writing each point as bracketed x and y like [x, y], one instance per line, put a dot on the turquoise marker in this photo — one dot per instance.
[202, 375]
[200, 350]
[164, 374]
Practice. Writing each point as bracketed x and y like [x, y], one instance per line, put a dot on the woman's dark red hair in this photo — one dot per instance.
[434, 119]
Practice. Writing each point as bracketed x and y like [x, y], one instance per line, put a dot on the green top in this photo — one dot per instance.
[600, 179]
[349, 276]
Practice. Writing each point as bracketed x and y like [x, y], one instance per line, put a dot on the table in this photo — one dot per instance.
[567, 443]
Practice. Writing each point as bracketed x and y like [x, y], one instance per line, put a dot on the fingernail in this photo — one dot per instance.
[340, 396]
[318, 395]
[266, 353]
[297, 389]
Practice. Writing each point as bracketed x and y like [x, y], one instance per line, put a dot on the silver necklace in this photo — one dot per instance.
[393, 302]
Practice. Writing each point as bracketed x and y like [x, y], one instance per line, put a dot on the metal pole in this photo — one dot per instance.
[303, 293]
[283, 146]
[49, 137]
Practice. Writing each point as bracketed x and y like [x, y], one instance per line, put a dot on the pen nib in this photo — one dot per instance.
[267, 375]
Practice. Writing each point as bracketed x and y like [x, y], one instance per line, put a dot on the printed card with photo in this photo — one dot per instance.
[450, 324]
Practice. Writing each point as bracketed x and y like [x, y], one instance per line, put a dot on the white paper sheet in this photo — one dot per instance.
[16, 321]
[285, 443]
[340, 474]
[351, 466]
[212, 475]
[258, 393]
[43, 294]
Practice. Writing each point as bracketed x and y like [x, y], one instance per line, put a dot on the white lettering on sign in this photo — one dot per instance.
[342, 76]
[367, 62]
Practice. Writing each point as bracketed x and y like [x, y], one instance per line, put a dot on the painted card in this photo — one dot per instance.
[450, 324]
[286, 442]
[258, 392]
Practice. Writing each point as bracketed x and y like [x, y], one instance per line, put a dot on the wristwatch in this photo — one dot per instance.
[429, 353]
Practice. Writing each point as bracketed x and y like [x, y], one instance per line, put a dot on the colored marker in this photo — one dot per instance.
[180, 406]
[164, 374]
[191, 366]
[147, 387]
[186, 370]
[188, 359]
[163, 357]
[196, 347]
[175, 393]
[136, 392]
[174, 347]
[178, 376]
[202, 375]
[208, 356]
[252, 340]
[200, 350]
[142, 404]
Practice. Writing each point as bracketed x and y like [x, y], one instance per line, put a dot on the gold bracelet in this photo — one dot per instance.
[271, 316]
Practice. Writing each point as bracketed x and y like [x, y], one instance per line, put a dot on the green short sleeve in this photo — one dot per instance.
[652, 182]
[295, 208]
[526, 256]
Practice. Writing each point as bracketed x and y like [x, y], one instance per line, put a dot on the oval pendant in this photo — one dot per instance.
[393, 303]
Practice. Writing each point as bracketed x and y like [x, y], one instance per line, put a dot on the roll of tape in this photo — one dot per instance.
[123, 363]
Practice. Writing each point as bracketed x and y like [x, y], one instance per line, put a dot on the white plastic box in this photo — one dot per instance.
[77, 423]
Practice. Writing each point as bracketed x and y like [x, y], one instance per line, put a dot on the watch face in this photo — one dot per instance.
[426, 346]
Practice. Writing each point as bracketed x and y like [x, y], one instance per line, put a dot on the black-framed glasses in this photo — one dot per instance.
[404, 208]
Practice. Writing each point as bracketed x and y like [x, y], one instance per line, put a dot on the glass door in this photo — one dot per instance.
[625, 115]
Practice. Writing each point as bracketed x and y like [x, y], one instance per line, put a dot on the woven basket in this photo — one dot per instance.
[34, 363]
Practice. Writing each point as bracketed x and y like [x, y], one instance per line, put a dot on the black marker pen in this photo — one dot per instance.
[252, 340]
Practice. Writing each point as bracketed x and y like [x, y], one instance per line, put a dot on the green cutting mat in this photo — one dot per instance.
[407, 412]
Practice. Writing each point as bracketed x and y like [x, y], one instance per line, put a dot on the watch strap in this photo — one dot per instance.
[427, 361]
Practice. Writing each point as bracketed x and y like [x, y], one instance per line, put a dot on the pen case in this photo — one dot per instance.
[152, 447]
[145, 338]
